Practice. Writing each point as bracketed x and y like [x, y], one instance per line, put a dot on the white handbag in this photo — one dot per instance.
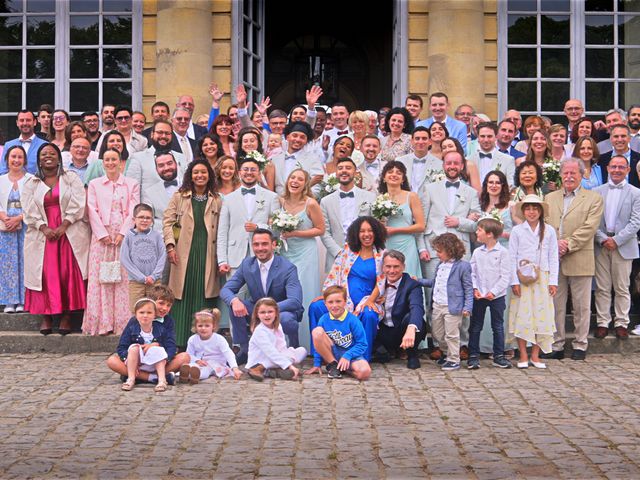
[110, 271]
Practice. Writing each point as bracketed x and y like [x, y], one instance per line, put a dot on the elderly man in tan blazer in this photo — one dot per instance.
[575, 213]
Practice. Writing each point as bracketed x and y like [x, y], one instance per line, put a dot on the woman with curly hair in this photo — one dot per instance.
[210, 149]
[358, 268]
[192, 215]
[399, 126]
[222, 126]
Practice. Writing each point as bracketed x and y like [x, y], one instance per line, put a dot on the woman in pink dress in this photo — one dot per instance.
[110, 203]
[56, 242]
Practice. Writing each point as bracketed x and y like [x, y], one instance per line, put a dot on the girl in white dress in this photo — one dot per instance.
[209, 352]
[268, 351]
[531, 312]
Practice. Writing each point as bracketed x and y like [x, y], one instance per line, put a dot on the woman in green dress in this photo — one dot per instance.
[190, 228]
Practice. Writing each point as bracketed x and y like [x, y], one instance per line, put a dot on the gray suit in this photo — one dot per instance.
[305, 160]
[156, 195]
[369, 181]
[605, 145]
[499, 161]
[334, 235]
[432, 164]
[627, 221]
[233, 239]
[142, 168]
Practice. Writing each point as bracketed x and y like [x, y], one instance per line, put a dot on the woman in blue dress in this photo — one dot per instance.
[358, 268]
[494, 201]
[404, 230]
[301, 245]
[12, 231]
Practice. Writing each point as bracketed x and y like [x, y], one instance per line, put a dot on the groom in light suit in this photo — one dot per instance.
[616, 247]
[265, 275]
[342, 207]
[488, 158]
[243, 210]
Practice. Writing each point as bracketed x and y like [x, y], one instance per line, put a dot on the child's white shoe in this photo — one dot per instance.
[522, 365]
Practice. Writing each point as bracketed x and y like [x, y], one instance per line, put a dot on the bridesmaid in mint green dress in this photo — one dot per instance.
[302, 248]
[405, 228]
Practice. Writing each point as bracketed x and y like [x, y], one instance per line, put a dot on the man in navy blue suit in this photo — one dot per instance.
[403, 324]
[265, 275]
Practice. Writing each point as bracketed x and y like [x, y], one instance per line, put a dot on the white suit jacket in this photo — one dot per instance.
[233, 239]
[305, 159]
[142, 168]
[627, 221]
[436, 208]
[499, 161]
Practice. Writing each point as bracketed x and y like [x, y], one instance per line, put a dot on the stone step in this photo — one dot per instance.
[34, 342]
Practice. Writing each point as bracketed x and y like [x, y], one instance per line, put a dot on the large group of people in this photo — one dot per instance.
[348, 236]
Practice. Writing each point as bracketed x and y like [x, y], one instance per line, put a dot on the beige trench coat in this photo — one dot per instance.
[72, 204]
[180, 207]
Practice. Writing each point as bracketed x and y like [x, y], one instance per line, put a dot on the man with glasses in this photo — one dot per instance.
[91, 122]
[80, 149]
[182, 143]
[26, 122]
[573, 110]
[135, 141]
[194, 132]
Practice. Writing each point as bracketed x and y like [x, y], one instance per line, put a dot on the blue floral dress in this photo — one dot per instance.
[12, 257]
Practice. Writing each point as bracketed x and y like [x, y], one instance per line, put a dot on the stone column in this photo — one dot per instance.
[184, 52]
[456, 51]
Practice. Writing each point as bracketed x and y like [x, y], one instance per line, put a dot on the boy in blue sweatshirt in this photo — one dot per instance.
[339, 339]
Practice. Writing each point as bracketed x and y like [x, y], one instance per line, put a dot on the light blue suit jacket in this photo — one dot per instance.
[32, 160]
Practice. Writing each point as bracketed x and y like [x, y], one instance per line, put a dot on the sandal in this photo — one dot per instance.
[161, 386]
[128, 385]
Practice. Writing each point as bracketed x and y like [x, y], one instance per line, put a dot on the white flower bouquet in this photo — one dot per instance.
[551, 172]
[434, 175]
[328, 186]
[384, 207]
[281, 221]
[259, 158]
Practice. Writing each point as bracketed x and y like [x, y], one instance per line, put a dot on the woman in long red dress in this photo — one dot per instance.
[56, 242]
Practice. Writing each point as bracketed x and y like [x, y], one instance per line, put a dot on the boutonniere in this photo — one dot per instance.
[365, 205]
[259, 204]
[498, 166]
[460, 198]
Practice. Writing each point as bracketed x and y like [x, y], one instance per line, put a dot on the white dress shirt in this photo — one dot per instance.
[452, 192]
[26, 142]
[491, 270]
[373, 168]
[440, 285]
[249, 201]
[389, 301]
[264, 272]
[290, 163]
[418, 173]
[611, 205]
[484, 163]
[347, 210]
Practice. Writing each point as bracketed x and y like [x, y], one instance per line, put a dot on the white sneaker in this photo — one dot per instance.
[636, 331]
[19, 308]
[9, 309]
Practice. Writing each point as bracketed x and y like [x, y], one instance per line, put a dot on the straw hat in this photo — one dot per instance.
[531, 198]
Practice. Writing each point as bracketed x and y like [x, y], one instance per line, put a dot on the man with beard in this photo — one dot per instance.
[142, 165]
[91, 122]
[26, 122]
[342, 207]
[295, 156]
[108, 115]
[372, 166]
[159, 194]
[633, 117]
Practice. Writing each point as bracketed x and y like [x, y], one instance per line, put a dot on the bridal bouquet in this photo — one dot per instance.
[384, 207]
[259, 158]
[327, 186]
[551, 172]
[281, 221]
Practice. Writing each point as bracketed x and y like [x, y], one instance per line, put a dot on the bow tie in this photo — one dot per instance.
[484, 155]
[169, 183]
[419, 160]
[251, 190]
[289, 157]
[28, 140]
[619, 186]
[389, 285]
[342, 132]
[347, 194]
[452, 184]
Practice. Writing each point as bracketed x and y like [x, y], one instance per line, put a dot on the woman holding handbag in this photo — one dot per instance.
[190, 230]
[110, 200]
[57, 241]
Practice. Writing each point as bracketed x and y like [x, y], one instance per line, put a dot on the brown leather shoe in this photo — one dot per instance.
[436, 354]
[256, 372]
[601, 332]
[464, 353]
[622, 333]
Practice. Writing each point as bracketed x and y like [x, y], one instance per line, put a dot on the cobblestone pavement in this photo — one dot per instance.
[65, 417]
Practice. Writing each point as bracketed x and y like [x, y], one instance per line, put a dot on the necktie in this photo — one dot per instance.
[419, 160]
[452, 184]
[251, 190]
[484, 155]
[389, 285]
[263, 276]
[345, 195]
[169, 183]
[343, 132]
[185, 149]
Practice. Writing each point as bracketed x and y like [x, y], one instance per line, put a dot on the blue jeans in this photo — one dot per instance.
[496, 307]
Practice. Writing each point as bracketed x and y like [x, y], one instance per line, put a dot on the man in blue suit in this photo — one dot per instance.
[403, 323]
[26, 122]
[265, 275]
[438, 104]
